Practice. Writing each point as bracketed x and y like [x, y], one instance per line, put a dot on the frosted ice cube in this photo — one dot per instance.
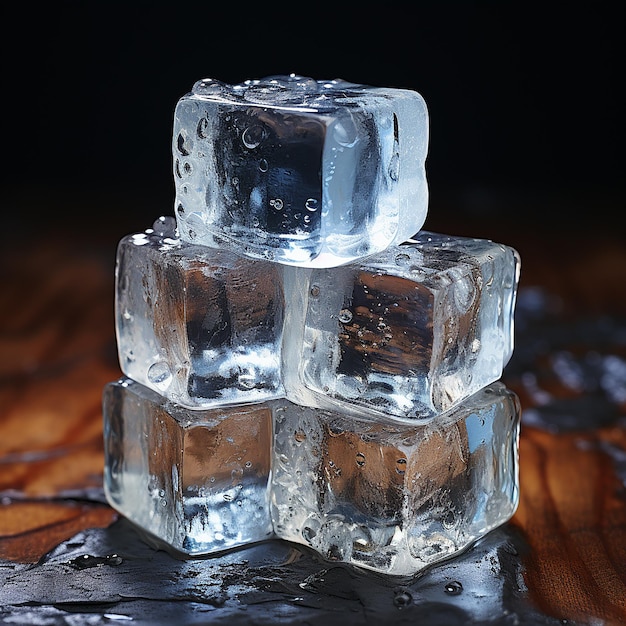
[392, 496]
[409, 332]
[196, 480]
[304, 172]
[200, 326]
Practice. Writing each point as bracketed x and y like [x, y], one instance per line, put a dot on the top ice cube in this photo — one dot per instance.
[300, 171]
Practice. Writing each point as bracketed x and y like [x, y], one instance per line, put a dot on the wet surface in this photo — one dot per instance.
[106, 575]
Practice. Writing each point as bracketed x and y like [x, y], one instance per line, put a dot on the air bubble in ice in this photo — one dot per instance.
[345, 316]
[253, 136]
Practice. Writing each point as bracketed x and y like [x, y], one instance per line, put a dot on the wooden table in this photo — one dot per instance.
[66, 555]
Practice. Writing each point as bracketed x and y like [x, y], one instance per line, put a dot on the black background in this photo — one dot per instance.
[526, 101]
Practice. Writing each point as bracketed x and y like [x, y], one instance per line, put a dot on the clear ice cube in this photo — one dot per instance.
[300, 171]
[196, 480]
[392, 496]
[200, 326]
[410, 332]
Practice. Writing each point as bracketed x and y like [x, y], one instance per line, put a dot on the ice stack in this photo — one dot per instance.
[300, 359]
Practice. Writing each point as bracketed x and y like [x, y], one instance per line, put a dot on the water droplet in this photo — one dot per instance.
[345, 316]
[311, 204]
[191, 234]
[402, 598]
[248, 464]
[180, 144]
[202, 129]
[114, 559]
[360, 459]
[264, 165]
[394, 167]
[180, 209]
[124, 282]
[255, 222]
[299, 436]
[345, 132]
[453, 588]
[253, 136]
[402, 259]
[87, 561]
[165, 226]
[401, 466]
[335, 552]
[315, 291]
[160, 374]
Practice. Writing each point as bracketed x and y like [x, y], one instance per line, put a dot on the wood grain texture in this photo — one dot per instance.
[55, 356]
[573, 515]
[57, 351]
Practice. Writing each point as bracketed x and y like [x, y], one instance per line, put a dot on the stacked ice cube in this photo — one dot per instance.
[300, 359]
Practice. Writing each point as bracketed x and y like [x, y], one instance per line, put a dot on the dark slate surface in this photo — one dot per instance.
[112, 575]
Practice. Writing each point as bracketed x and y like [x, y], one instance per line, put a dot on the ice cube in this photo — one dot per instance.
[392, 496]
[200, 326]
[410, 332]
[301, 171]
[196, 480]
